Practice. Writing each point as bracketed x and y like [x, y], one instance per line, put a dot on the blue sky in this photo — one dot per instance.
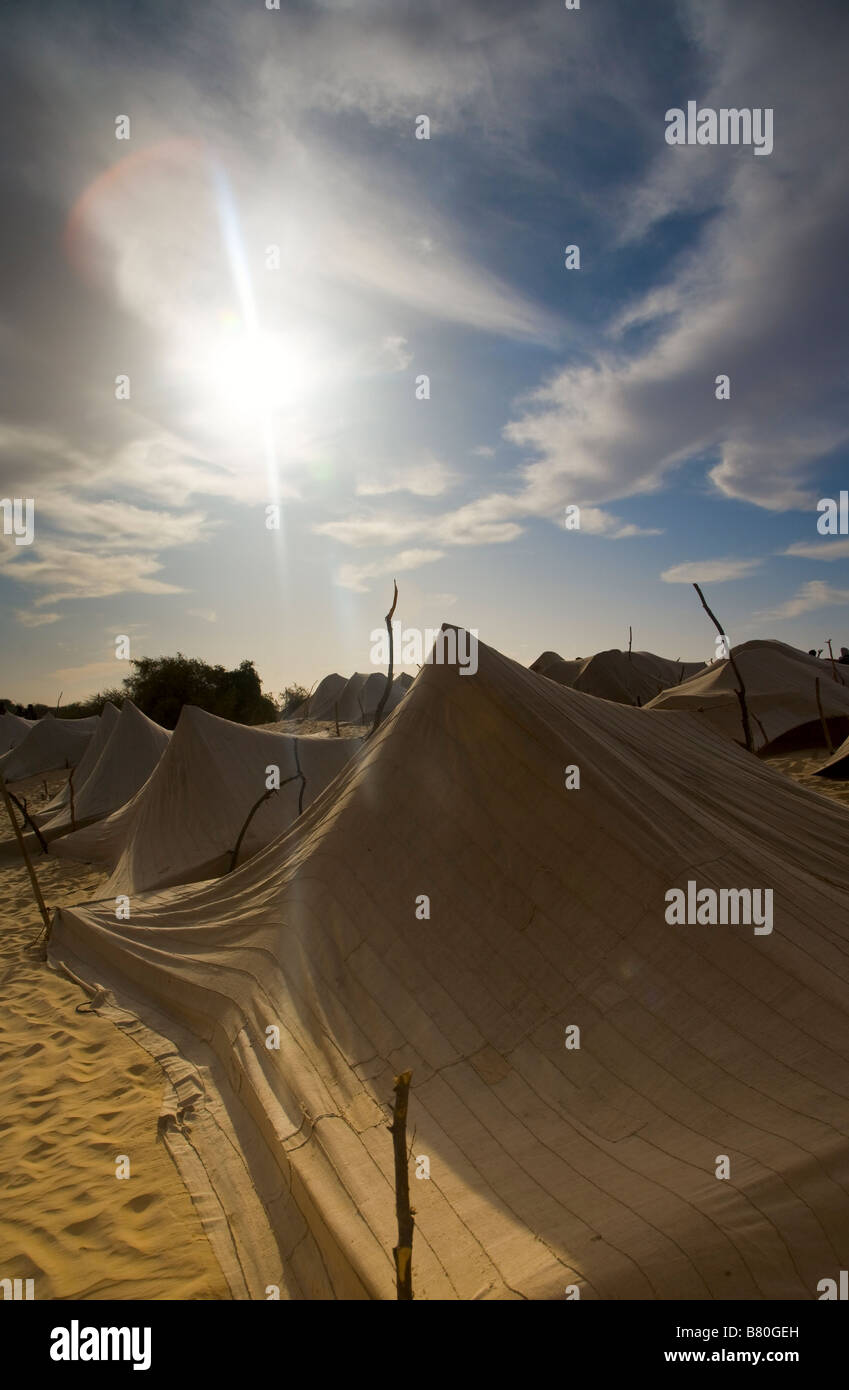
[250, 385]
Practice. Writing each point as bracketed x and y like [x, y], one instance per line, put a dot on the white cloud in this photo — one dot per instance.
[206, 615]
[710, 571]
[426, 477]
[597, 522]
[819, 550]
[27, 618]
[356, 576]
[69, 573]
[93, 672]
[815, 594]
[620, 425]
[394, 354]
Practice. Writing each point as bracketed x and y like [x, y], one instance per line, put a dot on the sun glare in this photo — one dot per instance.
[250, 377]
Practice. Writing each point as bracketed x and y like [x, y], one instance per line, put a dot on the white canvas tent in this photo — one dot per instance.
[320, 704]
[109, 716]
[13, 730]
[781, 693]
[355, 700]
[50, 744]
[183, 824]
[451, 907]
[127, 760]
[628, 678]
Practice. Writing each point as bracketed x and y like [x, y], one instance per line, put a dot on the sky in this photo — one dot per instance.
[232, 310]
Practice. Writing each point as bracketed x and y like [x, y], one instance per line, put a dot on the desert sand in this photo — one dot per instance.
[75, 1092]
[802, 764]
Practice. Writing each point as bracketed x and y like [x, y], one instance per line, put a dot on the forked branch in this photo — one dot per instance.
[378, 714]
[741, 691]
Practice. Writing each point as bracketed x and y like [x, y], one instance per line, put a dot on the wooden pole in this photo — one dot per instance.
[828, 743]
[300, 773]
[403, 1251]
[234, 857]
[307, 701]
[378, 714]
[831, 654]
[630, 638]
[28, 820]
[71, 790]
[741, 692]
[45, 915]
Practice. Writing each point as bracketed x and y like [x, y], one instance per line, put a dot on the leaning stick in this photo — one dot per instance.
[831, 654]
[71, 790]
[741, 692]
[303, 780]
[28, 820]
[828, 743]
[234, 854]
[24, 851]
[630, 638]
[307, 701]
[403, 1251]
[378, 714]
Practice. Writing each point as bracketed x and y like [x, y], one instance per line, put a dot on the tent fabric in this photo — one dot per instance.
[320, 704]
[837, 765]
[546, 660]
[13, 730]
[355, 700]
[550, 1166]
[109, 716]
[183, 824]
[50, 744]
[780, 693]
[127, 760]
[627, 679]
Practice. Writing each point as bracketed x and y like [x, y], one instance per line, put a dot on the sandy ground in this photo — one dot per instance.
[75, 1093]
[801, 765]
[319, 728]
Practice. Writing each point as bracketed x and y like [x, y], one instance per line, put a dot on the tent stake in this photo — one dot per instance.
[45, 916]
[403, 1251]
[828, 743]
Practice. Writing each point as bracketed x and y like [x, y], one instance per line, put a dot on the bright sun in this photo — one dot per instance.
[248, 377]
